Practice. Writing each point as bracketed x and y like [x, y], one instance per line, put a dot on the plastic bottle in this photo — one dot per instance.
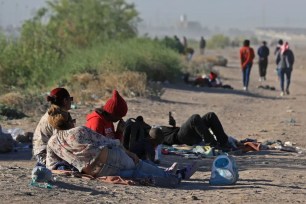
[158, 153]
[15, 132]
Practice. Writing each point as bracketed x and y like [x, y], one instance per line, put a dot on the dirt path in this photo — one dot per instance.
[265, 177]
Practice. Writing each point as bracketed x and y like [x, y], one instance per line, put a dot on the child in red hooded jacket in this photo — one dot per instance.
[102, 119]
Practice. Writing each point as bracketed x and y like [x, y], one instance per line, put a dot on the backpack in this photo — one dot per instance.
[135, 130]
[224, 171]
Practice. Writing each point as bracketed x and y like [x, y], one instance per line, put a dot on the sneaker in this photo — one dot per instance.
[282, 93]
[245, 88]
[173, 168]
[191, 169]
[260, 79]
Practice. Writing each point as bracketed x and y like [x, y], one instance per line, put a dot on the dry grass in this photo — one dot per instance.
[87, 88]
[13, 99]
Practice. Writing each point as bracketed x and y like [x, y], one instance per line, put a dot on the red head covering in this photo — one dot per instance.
[116, 105]
[212, 75]
[58, 94]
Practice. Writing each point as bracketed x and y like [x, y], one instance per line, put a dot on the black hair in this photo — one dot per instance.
[246, 43]
[280, 42]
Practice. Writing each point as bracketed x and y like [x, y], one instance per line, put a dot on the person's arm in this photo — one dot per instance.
[150, 152]
[292, 60]
[277, 58]
[119, 130]
[52, 159]
[95, 124]
[242, 60]
[131, 154]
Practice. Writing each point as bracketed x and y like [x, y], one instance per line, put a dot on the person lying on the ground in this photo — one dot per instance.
[58, 97]
[196, 130]
[206, 81]
[96, 155]
[102, 119]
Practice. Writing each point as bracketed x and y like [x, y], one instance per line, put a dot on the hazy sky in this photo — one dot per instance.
[225, 13]
[243, 14]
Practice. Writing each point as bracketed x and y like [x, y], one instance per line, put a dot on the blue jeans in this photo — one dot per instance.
[120, 164]
[157, 175]
[246, 74]
[282, 73]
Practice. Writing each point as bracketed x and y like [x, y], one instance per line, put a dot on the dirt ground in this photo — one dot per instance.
[265, 176]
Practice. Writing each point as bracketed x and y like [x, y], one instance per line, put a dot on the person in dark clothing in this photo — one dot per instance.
[196, 130]
[145, 148]
[285, 61]
[202, 45]
[263, 53]
[179, 46]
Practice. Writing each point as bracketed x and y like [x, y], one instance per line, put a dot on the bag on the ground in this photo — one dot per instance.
[224, 171]
[6, 142]
[135, 130]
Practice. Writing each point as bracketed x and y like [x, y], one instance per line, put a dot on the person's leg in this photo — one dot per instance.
[212, 121]
[244, 77]
[117, 160]
[261, 70]
[159, 176]
[282, 79]
[288, 78]
[247, 74]
[193, 131]
[265, 65]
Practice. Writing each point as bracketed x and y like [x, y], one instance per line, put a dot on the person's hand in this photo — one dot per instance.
[120, 126]
[172, 122]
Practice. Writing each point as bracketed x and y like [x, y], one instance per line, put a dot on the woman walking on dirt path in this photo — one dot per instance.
[285, 61]
[59, 97]
[246, 57]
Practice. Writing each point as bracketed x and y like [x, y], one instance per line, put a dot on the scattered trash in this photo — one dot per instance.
[73, 106]
[266, 87]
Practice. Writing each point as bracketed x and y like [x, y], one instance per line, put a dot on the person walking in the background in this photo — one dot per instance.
[285, 61]
[263, 53]
[202, 45]
[278, 47]
[185, 43]
[179, 46]
[276, 52]
[246, 57]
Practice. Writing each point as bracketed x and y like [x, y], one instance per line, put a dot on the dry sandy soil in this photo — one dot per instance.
[265, 177]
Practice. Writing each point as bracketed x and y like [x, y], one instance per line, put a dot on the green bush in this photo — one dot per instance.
[218, 41]
[141, 55]
[35, 59]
